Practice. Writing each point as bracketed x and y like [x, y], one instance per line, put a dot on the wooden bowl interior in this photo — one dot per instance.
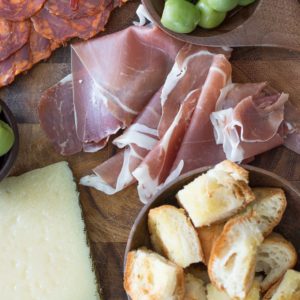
[289, 226]
[7, 160]
[234, 19]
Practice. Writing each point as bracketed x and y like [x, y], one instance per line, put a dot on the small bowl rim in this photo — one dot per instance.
[142, 212]
[11, 156]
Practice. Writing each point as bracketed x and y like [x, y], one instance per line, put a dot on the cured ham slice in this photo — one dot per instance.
[188, 73]
[198, 147]
[15, 64]
[19, 10]
[116, 173]
[250, 125]
[13, 36]
[155, 168]
[83, 8]
[56, 28]
[56, 113]
[123, 78]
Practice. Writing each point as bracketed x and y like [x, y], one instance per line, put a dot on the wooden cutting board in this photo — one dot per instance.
[109, 218]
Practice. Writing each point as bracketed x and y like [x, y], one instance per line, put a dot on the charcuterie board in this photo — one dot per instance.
[109, 218]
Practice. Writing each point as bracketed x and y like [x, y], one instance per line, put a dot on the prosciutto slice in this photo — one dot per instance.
[13, 35]
[116, 173]
[188, 73]
[198, 147]
[119, 81]
[19, 10]
[155, 168]
[250, 125]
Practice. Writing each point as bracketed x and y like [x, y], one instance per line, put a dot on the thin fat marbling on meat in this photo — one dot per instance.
[122, 76]
[138, 139]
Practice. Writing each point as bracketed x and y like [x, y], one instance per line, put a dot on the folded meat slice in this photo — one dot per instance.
[188, 73]
[123, 77]
[19, 10]
[116, 173]
[13, 36]
[153, 171]
[84, 8]
[250, 125]
[198, 147]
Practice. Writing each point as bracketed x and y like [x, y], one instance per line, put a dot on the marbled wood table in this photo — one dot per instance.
[109, 218]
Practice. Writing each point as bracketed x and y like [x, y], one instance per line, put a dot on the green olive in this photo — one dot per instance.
[245, 2]
[180, 16]
[7, 138]
[209, 18]
[223, 5]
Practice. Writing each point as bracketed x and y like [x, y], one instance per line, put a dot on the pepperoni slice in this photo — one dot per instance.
[53, 27]
[81, 9]
[19, 10]
[18, 62]
[13, 35]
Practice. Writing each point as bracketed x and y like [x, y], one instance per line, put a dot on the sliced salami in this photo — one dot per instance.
[19, 10]
[13, 36]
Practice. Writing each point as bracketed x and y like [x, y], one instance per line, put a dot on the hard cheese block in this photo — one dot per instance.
[44, 254]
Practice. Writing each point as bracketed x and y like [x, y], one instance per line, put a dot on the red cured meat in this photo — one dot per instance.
[191, 60]
[56, 114]
[155, 168]
[19, 10]
[82, 8]
[116, 173]
[15, 64]
[199, 148]
[250, 125]
[124, 77]
[13, 36]
[56, 28]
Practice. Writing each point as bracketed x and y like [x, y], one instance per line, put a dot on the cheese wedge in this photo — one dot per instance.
[44, 253]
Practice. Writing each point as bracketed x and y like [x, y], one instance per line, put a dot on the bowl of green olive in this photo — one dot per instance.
[9, 140]
[201, 21]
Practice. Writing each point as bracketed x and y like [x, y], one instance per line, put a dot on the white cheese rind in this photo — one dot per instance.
[44, 254]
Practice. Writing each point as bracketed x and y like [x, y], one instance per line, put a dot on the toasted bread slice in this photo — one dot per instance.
[287, 289]
[150, 276]
[214, 294]
[208, 235]
[275, 256]
[173, 235]
[217, 195]
[194, 288]
[268, 208]
[232, 262]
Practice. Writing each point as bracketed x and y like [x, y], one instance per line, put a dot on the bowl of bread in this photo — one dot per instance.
[223, 232]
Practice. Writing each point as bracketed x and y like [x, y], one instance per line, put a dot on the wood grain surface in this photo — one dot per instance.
[109, 218]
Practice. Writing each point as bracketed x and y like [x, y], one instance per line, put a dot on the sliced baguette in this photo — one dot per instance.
[287, 289]
[217, 195]
[173, 235]
[149, 276]
[232, 263]
[194, 288]
[208, 236]
[275, 256]
[268, 208]
[214, 294]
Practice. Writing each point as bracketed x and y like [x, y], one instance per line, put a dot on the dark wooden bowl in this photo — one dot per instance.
[7, 161]
[289, 226]
[264, 23]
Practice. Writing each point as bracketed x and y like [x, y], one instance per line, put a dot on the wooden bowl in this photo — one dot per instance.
[272, 23]
[289, 226]
[7, 161]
